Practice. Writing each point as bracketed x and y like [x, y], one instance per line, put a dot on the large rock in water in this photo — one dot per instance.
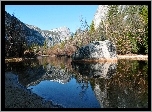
[97, 50]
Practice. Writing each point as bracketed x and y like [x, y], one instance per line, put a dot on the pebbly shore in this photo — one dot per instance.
[17, 96]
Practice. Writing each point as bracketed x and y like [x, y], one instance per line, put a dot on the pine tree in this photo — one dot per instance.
[127, 27]
[92, 27]
[92, 36]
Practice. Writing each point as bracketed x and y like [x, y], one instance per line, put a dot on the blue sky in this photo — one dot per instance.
[48, 17]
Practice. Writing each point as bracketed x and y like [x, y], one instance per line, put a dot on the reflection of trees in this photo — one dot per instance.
[92, 71]
[28, 71]
[57, 68]
[60, 62]
[127, 89]
[21, 66]
[132, 83]
[83, 84]
[33, 72]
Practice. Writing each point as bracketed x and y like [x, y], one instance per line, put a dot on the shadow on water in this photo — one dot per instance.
[98, 85]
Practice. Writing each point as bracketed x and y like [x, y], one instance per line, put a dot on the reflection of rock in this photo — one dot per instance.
[102, 70]
[127, 89]
[96, 50]
[101, 95]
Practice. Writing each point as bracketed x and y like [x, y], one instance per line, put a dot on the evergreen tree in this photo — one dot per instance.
[14, 38]
[127, 27]
[92, 28]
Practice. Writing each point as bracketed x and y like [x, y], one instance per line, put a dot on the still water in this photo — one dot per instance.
[85, 85]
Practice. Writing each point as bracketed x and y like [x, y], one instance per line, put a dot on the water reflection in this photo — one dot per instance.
[96, 70]
[98, 85]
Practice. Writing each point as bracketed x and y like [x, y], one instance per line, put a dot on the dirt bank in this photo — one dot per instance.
[17, 59]
[131, 57]
[16, 96]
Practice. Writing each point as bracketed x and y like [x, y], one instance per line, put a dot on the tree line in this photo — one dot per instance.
[125, 25]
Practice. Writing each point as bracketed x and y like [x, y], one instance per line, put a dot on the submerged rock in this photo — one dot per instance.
[96, 50]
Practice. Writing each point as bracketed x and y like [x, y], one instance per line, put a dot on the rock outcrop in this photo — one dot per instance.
[97, 50]
[102, 12]
[14, 26]
[33, 34]
[100, 15]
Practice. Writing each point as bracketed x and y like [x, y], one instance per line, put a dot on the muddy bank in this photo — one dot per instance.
[16, 96]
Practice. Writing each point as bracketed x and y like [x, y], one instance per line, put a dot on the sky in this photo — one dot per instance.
[48, 17]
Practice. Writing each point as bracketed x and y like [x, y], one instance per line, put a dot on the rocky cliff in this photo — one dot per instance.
[100, 14]
[34, 34]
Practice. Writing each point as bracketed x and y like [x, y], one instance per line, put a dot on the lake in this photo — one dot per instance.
[85, 85]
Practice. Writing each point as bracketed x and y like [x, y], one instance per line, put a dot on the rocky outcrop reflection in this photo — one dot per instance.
[31, 73]
[122, 85]
[57, 74]
[57, 69]
[52, 73]
[96, 70]
[98, 74]
[101, 95]
[127, 89]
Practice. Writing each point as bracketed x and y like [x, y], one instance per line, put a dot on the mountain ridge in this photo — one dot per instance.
[35, 35]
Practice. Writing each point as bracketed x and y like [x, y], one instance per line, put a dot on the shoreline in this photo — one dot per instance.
[129, 57]
[114, 60]
[17, 96]
[133, 57]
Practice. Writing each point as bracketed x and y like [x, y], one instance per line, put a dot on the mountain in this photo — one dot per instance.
[100, 15]
[63, 31]
[33, 34]
[14, 26]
